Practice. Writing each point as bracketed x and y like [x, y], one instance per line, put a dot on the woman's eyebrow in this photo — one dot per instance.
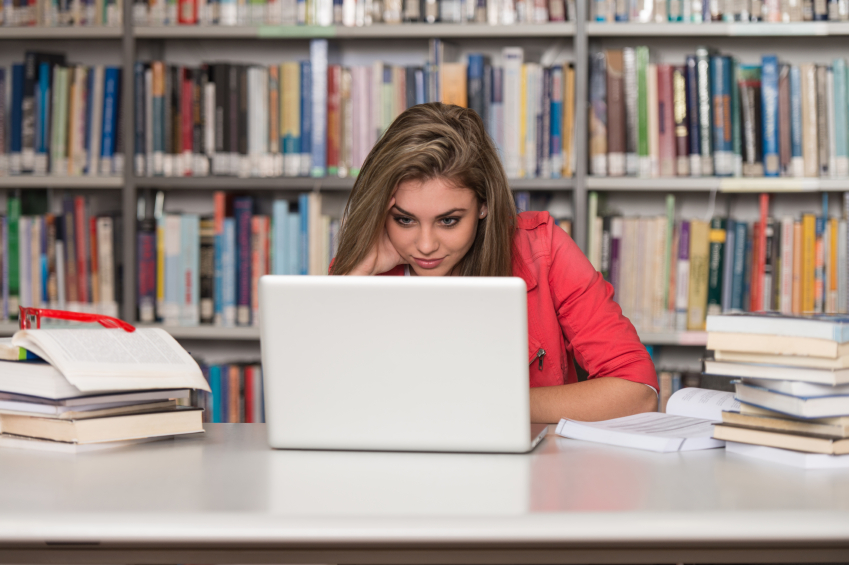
[442, 215]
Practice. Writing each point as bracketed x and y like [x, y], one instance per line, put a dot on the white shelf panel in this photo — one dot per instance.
[698, 339]
[722, 184]
[306, 183]
[32, 181]
[377, 31]
[207, 332]
[717, 29]
[61, 32]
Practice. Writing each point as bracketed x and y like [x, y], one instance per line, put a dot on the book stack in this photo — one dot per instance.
[60, 119]
[700, 267]
[68, 260]
[81, 389]
[45, 13]
[703, 11]
[793, 386]
[347, 12]
[318, 118]
[713, 116]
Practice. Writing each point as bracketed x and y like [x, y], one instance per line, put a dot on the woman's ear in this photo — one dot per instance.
[483, 212]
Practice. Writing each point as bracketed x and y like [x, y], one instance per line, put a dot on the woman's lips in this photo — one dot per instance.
[428, 263]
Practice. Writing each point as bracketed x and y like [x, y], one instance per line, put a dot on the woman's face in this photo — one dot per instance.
[433, 224]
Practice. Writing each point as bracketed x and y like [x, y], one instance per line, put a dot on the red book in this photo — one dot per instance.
[666, 121]
[187, 12]
[334, 118]
[80, 232]
[761, 256]
[95, 271]
[249, 395]
[187, 119]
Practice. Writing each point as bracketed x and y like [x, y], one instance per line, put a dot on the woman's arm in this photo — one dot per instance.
[595, 399]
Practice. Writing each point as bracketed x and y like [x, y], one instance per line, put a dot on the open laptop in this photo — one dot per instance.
[396, 363]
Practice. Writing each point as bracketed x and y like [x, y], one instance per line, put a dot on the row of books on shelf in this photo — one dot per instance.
[194, 270]
[66, 260]
[237, 394]
[688, 269]
[699, 11]
[715, 116]
[60, 119]
[46, 13]
[308, 118]
[348, 12]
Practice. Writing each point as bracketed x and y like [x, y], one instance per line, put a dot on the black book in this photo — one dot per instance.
[207, 270]
[243, 111]
[410, 85]
[197, 77]
[221, 79]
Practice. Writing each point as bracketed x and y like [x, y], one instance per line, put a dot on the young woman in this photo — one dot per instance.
[432, 199]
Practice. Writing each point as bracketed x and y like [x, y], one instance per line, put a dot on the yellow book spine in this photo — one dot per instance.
[797, 268]
[808, 260]
[523, 125]
[699, 264]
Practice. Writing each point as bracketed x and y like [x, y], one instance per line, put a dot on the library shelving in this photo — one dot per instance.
[717, 29]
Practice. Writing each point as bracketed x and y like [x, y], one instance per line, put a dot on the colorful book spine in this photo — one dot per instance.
[682, 278]
[693, 116]
[723, 156]
[717, 238]
[769, 110]
[705, 109]
[643, 149]
[242, 211]
[797, 167]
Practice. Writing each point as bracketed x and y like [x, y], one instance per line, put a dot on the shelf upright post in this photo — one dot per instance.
[579, 192]
[128, 43]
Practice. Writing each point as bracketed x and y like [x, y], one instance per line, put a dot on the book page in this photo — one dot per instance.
[113, 359]
[654, 424]
[702, 403]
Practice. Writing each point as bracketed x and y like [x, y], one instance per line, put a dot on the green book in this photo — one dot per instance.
[58, 147]
[643, 111]
[716, 238]
[736, 136]
[13, 215]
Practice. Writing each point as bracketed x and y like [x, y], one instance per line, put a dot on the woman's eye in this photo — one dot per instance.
[449, 221]
[403, 220]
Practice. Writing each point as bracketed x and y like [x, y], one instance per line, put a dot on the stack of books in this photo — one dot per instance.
[77, 389]
[793, 386]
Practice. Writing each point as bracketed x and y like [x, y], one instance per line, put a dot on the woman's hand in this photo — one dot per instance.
[382, 257]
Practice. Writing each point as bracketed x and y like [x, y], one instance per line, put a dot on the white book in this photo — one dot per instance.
[786, 306]
[778, 372]
[532, 73]
[830, 406]
[687, 424]
[788, 457]
[682, 280]
[832, 141]
[513, 59]
[796, 388]
[106, 266]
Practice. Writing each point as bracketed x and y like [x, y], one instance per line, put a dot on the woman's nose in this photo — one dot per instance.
[427, 242]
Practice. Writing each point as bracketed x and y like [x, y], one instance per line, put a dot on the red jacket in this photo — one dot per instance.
[571, 312]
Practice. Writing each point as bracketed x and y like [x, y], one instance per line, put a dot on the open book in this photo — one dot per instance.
[687, 424]
[99, 359]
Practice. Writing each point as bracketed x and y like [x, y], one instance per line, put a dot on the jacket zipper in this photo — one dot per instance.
[540, 355]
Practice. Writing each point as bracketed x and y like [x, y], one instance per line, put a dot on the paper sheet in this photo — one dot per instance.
[657, 425]
[702, 403]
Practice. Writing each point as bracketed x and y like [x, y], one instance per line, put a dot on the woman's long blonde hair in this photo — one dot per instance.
[426, 142]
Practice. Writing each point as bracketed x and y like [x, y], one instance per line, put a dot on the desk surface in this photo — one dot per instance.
[227, 489]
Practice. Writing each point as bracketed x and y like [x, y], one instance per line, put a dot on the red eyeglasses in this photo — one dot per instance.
[28, 315]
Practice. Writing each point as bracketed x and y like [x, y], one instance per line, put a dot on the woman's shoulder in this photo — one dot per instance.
[536, 234]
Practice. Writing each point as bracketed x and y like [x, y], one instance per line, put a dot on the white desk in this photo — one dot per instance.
[225, 497]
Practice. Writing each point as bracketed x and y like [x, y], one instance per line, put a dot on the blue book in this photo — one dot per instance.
[243, 211]
[739, 265]
[841, 136]
[280, 232]
[474, 82]
[140, 118]
[306, 118]
[173, 269]
[720, 93]
[796, 162]
[318, 87]
[420, 86]
[190, 268]
[692, 97]
[16, 118]
[215, 392]
[556, 140]
[111, 91]
[303, 252]
[42, 114]
[228, 273]
[218, 280]
[43, 259]
[728, 265]
[769, 112]
[293, 244]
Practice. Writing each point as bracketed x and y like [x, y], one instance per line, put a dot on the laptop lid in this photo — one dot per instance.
[392, 363]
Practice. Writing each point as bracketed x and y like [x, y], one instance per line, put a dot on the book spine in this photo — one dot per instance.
[705, 110]
[616, 146]
[334, 119]
[556, 146]
[785, 149]
[15, 120]
[787, 262]
[819, 264]
[243, 208]
[629, 64]
[797, 165]
[318, 65]
[840, 124]
[190, 270]
[798, 280]
[749, 81]
[304, 217]
[723, 157]
[716, 238]
[306, 119]
[769, 94]
[187, 115]
[823, 125]
[147, 272]
[643, 149]
[808, 262]
[654, 127]
[81, 245]
[228, 273]
[513, 59]
[666, 121]
[693, 116]
[679, 105]
[682, 278]
[736, 133]
[699, 267]
[841, 266]
[831, 295]
[728, 253]
[94, 265]
[598, 115]
[207, 273]
[810, 143]
[769, 272]
[173, 269]
[97, 93]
